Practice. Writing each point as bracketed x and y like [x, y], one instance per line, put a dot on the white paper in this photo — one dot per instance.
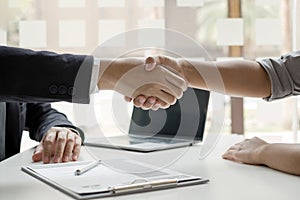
[102, 178]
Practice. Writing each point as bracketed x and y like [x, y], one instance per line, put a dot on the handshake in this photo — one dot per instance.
[154, 83]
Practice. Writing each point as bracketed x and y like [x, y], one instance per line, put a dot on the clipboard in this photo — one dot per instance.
[109, 179]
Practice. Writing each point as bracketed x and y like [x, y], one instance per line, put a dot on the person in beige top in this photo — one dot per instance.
[269, 79]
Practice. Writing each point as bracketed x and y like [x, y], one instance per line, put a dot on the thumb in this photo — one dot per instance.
[168, 62]
[38, 154]
[150, 63]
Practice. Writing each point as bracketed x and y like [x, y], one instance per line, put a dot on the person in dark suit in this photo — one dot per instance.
[31, 76]
[59, 138]
[43, 76]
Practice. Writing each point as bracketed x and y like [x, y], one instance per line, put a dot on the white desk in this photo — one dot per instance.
[228, 180]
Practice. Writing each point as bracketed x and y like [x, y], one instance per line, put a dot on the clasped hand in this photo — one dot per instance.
[135, 77]
[153, 100]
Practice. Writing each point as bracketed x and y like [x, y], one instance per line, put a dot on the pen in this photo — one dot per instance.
[142, 186]
[86, 168]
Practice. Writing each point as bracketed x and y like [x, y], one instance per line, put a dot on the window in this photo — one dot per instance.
[78, 26]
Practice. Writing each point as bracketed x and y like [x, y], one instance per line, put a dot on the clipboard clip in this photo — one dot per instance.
[143, 185]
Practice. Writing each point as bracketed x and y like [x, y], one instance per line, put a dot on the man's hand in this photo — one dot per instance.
[151, 102]
[60, 143]
[129, 77]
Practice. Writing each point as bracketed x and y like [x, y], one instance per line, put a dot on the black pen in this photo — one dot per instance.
[86, 168]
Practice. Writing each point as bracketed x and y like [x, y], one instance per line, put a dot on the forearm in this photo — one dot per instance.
[112, 70]
[235, 78]
[282, 157]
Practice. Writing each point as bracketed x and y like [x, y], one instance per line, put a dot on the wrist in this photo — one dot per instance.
[185, 68]
[191, 73]
[106, 75]
[259, 155]
[111, 71]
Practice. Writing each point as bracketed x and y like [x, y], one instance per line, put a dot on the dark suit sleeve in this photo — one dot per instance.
[40, 117]
[42, 76]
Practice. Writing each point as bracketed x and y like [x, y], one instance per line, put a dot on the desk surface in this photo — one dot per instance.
[228, 180]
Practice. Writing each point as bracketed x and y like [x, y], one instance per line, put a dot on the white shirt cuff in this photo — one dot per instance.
[95, 74]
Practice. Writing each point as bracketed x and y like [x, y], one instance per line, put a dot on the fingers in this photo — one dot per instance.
[139, 101]
[167, 83]
[128, 99]
[76, 149]
[38, 153]
[61, 143]
[159, 104]
[48, 145]
[169, 63]
[152, 103]
[157, 59]
[176, 81]
[231, 155]
[146, 104]
[72, 148]
[245, 151]
[68, 150]
[167, 98]
[149, 103]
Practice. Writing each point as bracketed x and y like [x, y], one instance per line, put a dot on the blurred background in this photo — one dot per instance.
[240, 29]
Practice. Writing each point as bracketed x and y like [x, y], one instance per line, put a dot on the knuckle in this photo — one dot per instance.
[160, 58]
[183, 85]
[59, 152]
[76, 150]
[68, 151]
[78, 141]
[71, 140]
[173, 100]
[48, 142]
[52, 129]
[77, 145]
[61, 140]
[179, 95]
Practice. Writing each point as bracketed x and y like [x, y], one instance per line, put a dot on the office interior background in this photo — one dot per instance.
[239, 29]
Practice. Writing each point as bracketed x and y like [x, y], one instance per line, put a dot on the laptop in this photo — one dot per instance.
[181, 125]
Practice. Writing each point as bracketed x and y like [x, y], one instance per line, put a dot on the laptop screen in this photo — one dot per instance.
[184, 120]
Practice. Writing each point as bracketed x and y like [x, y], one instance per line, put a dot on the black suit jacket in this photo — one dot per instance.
[37, 118]
[42, 76]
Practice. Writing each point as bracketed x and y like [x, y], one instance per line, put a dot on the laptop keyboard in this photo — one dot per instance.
[154, 140]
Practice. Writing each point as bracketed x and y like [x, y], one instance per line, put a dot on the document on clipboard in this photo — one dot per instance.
[109, 178]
